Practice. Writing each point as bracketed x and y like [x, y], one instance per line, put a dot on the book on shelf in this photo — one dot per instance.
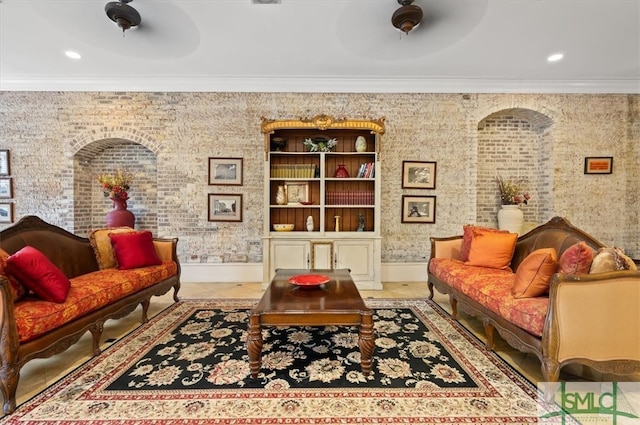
[366, 170]
[293, 171]
[350, 197]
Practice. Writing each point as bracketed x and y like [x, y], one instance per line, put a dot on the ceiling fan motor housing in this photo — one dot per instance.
[407, 17]
[123, 14]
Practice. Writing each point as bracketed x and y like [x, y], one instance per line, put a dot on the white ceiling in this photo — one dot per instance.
[323, 46]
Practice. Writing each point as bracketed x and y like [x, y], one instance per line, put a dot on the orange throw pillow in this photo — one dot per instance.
[467, 235]
[492, 249]
[576, 259]
[533, 276]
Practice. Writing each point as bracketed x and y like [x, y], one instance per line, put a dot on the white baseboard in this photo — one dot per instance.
[252, 272]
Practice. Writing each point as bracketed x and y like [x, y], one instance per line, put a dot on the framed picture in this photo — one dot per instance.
[225, 207]
[598, 165]
[225, 171]
[418, 209]
[6, 212]
[5, 166]
[418, 175]
[297, 192]
[6, 187]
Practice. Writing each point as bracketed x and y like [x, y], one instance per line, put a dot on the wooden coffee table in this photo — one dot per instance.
[336, 302]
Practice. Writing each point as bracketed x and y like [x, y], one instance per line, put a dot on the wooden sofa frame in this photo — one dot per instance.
[74, 255]
[592, 319]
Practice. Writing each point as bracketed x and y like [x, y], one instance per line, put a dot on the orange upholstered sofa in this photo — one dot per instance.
[96, 288]
[589, 319]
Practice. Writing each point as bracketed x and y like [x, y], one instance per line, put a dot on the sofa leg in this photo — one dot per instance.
[176, 288]
[430, 285]
[96, 335]
[488, 331]
[145, 310]
[454, 307]
[550, 369]
[9, 376]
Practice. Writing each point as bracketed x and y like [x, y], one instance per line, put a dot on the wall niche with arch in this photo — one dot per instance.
[107, 156]
[516, 144]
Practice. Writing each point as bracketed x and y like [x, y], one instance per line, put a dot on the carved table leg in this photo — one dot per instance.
[366, 341]
[254, 344]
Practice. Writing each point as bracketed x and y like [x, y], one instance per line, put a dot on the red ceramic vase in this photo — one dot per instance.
[341, 172]
[120, 216]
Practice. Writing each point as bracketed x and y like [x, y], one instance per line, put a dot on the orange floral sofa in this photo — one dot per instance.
[578, 317]
[86, 287]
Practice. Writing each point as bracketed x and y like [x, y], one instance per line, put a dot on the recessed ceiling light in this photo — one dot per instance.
[265, 1]
[555, 57]
[73, 55]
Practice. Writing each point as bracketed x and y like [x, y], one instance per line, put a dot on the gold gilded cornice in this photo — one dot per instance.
[323, 122]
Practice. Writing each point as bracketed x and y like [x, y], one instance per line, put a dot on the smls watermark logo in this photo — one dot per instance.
[614, 403]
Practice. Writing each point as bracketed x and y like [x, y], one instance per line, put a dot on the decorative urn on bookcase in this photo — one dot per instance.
[330, 168]
[341, 172]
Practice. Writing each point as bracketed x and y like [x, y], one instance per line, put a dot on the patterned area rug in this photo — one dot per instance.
[189, 365]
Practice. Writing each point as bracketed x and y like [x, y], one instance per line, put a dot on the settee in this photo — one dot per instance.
[581, 318]
[88, 287]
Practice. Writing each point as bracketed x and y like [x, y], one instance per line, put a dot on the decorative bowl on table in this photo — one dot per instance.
[283, 227]
[309, 280]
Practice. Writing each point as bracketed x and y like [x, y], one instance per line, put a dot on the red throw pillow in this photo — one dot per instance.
[492, 249]
[35, 271]
[134, 250]
[17, 288]
[533, 276]
[467, 235]
[576, 259]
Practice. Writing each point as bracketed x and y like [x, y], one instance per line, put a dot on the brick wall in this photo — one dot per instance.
[60, 142]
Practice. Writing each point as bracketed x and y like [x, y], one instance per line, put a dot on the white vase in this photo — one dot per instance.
[281, 196]
[511, 218]
[310, 224]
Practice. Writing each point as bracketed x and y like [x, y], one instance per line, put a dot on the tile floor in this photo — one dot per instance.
[41, 373]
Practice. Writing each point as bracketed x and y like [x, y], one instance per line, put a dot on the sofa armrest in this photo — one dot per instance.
[446, 247]
[166, 248]
[593, 319]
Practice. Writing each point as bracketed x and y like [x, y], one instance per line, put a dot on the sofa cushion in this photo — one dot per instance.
[576, 259]
[492, 249]
[611, 259]
[17, 289]
[102, 248]
[534, 273]
[35, 271]
[87, 293]
[134, 250]
[492, 289]
[467, 235]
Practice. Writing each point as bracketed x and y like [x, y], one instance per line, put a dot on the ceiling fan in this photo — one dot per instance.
[407, 17]
[123, 14]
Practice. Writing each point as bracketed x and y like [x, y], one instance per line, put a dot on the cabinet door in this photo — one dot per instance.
[287, 254]
[356, 255]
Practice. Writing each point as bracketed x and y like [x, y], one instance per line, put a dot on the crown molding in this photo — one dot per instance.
[316, 85]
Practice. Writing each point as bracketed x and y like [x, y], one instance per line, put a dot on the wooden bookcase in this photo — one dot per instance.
[309, 177]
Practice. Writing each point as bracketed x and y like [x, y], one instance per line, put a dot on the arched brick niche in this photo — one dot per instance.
[105, 156]
[516, 144]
